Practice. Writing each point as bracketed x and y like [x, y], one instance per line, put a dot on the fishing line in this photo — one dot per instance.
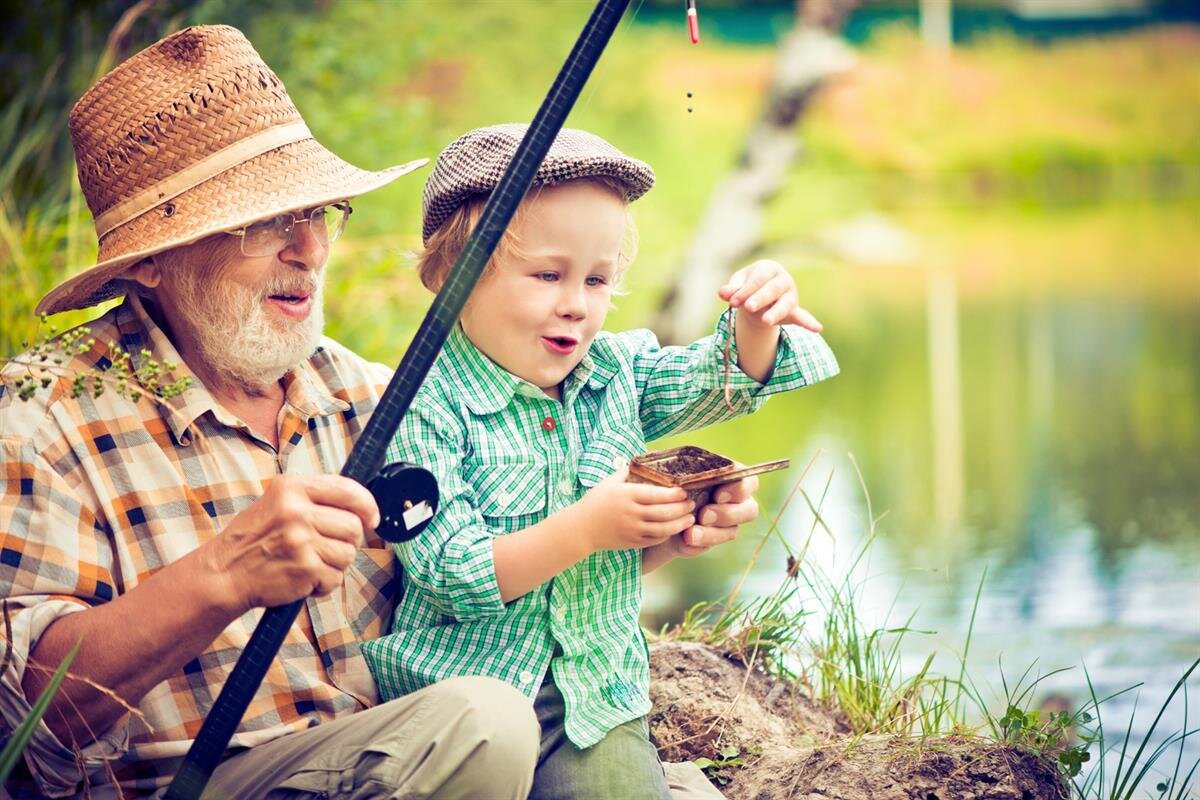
[599, 79]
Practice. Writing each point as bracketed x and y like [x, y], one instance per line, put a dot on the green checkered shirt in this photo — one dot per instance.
[506, 456]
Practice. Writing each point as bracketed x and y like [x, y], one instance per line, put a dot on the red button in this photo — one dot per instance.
[548, 423]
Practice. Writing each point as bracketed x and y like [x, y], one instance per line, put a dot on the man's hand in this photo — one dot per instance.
[733, 505]
[616, 515]
[294, 541]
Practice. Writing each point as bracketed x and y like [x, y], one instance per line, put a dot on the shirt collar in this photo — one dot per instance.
[144, 340]
[600, 363]
[487, 387]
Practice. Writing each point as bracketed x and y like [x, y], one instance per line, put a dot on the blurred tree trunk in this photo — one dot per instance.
[937, 32]
[730, 228]
[828, 15]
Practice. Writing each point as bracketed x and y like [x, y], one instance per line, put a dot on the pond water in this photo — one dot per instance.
[1022, 397]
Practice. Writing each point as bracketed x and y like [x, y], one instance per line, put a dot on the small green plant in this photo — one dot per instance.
[1048, 735]
[855, 667]
[45, 362]
[730, 757]
[1057, 736]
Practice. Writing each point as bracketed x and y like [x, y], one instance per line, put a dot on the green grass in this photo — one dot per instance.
[1133, 770]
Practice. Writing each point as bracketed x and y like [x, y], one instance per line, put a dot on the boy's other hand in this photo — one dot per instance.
[717, 523]
[616, 515]
[766, 294]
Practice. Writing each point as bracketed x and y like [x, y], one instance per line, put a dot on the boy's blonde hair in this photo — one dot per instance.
[444, 245]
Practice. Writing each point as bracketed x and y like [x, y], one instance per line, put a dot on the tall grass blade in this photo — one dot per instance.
[1141, 749]
[24, 732]
[962, 670]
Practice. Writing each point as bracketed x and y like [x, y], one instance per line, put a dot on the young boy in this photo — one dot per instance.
[531, 569]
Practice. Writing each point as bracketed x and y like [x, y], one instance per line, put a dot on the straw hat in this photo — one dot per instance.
[191, 136]
[474, 162]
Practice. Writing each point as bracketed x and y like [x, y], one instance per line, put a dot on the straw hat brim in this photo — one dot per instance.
[298, 175]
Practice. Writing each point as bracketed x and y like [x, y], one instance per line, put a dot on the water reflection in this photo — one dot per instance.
[1045, 430]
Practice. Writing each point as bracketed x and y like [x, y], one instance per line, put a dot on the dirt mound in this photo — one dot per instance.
[784, 745]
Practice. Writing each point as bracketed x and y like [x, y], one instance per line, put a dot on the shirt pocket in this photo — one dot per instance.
[609, 448]
[509, 493]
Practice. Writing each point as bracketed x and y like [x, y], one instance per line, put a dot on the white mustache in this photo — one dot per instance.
[290, 286]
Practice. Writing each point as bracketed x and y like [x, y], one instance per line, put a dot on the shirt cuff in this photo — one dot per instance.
[476, 593]
[463, 583]
[54, 766]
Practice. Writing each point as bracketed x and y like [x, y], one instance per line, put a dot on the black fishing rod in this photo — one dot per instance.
[401, 488]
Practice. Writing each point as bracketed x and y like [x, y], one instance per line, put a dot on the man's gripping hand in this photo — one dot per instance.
[294, 541]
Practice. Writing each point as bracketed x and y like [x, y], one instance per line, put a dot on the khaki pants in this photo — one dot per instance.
[462, 737]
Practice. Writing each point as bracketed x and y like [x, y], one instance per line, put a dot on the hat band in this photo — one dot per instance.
[209, 167]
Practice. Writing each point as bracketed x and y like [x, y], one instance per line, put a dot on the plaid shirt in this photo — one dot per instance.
[97, 493]
[506, 456]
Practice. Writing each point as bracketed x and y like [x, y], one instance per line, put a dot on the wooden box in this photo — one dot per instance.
[694, 469]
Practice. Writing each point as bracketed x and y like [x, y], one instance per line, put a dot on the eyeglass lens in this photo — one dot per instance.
[263, 238]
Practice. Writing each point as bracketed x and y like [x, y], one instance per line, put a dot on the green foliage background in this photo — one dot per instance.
[382, 83]
[379, 84]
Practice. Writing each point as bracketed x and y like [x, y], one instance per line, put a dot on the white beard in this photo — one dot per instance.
[238, 339]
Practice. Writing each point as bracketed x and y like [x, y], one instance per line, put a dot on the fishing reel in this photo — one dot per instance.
[407, 496]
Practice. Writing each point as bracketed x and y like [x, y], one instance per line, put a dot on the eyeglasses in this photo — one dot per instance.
[326, 224]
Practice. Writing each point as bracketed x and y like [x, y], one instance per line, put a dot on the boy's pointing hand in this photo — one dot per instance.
[766, 294]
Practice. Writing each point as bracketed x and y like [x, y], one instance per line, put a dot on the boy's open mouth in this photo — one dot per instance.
[560, 344]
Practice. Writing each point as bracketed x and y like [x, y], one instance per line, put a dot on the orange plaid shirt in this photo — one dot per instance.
[98, 493]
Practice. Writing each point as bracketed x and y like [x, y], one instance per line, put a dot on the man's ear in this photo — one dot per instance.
[146, 272]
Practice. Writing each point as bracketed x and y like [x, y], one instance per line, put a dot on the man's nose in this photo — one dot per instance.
[304, 249]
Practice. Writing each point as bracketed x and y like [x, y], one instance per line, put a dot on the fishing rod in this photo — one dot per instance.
[401, 489]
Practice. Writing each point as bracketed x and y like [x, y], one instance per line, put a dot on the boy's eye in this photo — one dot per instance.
[596, 280]
[549, 277]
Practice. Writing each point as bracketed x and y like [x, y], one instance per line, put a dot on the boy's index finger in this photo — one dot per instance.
[744, 292]
[735, 282]
[649, 494]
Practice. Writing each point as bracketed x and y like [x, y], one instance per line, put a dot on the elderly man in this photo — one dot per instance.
[151, 532]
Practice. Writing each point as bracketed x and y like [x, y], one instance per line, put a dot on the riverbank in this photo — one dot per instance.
[758, 736]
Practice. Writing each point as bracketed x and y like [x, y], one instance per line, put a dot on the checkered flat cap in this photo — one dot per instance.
[473, 163]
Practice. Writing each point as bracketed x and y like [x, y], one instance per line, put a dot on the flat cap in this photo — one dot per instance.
[473, 163]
